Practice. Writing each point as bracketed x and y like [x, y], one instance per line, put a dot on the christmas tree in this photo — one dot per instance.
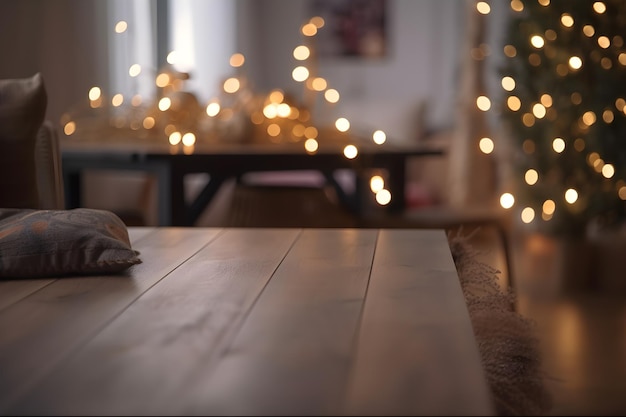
[565, 109]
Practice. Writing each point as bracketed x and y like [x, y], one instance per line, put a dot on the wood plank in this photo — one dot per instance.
[293, 354]
[38, 332]
[12, 291]
[416, 349]
[143, 361]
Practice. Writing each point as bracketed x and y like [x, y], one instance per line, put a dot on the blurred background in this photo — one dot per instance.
[526, 98]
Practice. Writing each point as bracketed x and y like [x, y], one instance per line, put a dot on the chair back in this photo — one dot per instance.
[48, 168]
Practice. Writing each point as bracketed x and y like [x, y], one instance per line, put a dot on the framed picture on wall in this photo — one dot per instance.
[353, 28]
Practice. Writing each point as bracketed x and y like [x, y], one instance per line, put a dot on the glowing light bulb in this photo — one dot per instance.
[507, 200]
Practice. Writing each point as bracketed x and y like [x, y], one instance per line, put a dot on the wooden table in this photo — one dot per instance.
[222, 161]
[248, 321]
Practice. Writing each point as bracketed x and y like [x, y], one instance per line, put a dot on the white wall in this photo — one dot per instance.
[66, 40]
[424, 37]
[61, 40]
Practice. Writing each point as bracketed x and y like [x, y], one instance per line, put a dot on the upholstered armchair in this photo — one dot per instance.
[30, 161]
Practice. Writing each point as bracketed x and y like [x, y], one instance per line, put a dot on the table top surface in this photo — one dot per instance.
[151, 146]
[262, 321]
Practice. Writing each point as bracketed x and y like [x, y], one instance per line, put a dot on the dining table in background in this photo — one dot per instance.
[225, 160]
[248, 321]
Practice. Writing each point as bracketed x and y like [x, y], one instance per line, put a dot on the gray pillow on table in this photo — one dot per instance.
[53, 243]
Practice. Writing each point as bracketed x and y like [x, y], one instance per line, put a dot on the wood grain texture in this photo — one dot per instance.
[50, 324]
[261, 321]
[141, 363]
[293, 354]
[416, 349]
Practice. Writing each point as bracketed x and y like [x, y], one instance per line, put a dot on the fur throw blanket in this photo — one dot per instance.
[507, 345]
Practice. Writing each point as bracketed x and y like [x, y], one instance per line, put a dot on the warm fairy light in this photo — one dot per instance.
[189, 139]
[513, 103]
[165, 103]
[608, 116]
[310, 132]
[546, 100]
[589, 31]
[622, 58]
[558, 144]
[517, 5]
[528, 215]
[172, 58]
[162, 80]
[531, 177]
[604, 42]
[575, 62]
[342, 124]
[508, 83]
[319, 84]
[134, 70]
[377, 183]
[589, 118]
[528, 120]
[276, 96]
[309, 29]
[232, 85]
[175, 138]
[301, 52]
[121, 26]
[318, 21]
[579, 144]
[270, 111]
[95, 93]
[383, 197]
[148, 122]
[599, 7]
[549, 207]
[136, 100]
[350, 151]
[483, 7]
[213, 109]
[331, 95]
[544, 3]
[539, 111]
[537, 41]
[117, 100]
[483, 103]
[571, 195]
[567, 20]
[510, 51]
[608, 170]
[69, 128]
[273, 129]
[486, 145]
[311, 145]
[283, 110]
[237, 60]
[379, 137]
[622, 192]
[300, 73]
[528, 146]
[507, 200]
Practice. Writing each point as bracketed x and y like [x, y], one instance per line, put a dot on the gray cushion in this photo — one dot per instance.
[51, 243]
[23, 104]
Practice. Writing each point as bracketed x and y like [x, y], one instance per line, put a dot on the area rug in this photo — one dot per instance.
[506, 340]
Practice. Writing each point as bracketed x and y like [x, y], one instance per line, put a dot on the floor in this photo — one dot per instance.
[580, 325]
